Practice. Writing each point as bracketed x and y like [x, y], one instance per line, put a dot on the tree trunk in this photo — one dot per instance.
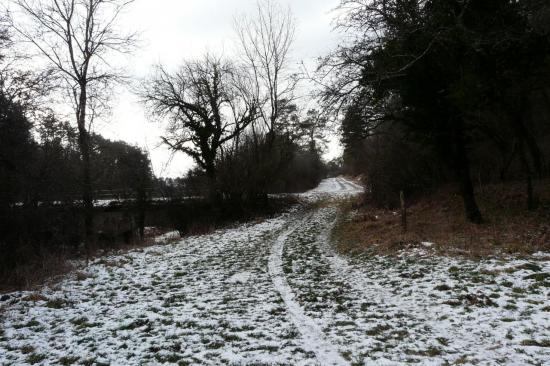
[213, 194]
[507, 162]
[535, 152]
[531, 205]
[462, 171]
[527, 140]
[141, 206]
[87, 195]
[467, 191]
[403, 211]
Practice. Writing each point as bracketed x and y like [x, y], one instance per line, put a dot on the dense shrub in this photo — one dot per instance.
[267, 164]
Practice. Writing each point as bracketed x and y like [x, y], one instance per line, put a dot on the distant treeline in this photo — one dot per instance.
[253, 171]
[42, 166]
[41, 210]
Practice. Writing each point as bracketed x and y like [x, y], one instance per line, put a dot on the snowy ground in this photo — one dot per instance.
[274, 293]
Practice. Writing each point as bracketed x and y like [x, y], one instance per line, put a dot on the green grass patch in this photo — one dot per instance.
[540, 277]
[530, 267]
[27, 349]
[57, 303]
[68, 360]
[35, 358]
[377, 330]
[535, 343]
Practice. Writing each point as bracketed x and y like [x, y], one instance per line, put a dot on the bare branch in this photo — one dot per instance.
[265, 42]
[207, 103]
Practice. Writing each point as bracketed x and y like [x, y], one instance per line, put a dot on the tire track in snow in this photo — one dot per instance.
[351, 185]
[341, 184]
[312, 336]
[347, 272]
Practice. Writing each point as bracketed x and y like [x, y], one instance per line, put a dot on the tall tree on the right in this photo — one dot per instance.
[438, 62]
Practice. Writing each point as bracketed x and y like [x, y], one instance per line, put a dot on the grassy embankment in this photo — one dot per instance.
[438, 218]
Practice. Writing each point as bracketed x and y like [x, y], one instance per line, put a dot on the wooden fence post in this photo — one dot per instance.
[403, 211]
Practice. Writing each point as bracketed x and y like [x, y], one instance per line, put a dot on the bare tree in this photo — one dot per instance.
[4, 36]
[342, 74]
[17, 83]
[313, 129]
[265, 42]
[208, 105]
[76, 37]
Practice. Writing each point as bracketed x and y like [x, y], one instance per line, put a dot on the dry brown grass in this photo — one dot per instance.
[33, 274]
[52, 267]
[439, 218]
[34, 297]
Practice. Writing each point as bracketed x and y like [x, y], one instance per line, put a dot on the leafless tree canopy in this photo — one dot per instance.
[4, 38]
[17, 83]
[366, 24]
[265, 42]
[77, 37]
[208, 103]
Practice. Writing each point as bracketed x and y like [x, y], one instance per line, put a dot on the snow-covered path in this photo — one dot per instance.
[275, 293]
[312, 336]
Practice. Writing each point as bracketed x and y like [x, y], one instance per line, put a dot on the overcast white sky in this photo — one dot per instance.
[174, 30]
